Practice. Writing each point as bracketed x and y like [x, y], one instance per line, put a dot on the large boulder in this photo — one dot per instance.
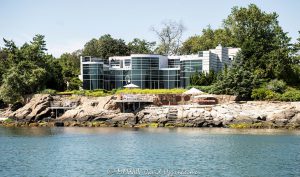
[88, 109]
[242, 119]
[36, 109]
[295, 121]
[282, 114]
[122, 118]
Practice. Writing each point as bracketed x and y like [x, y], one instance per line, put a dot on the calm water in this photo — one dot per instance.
[161, 152]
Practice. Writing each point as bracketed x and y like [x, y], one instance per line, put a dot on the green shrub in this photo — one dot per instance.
[153, 125]
[48, 91]
[277, 86]
[93, 93]
[236, 81]
[151, 91]
[75, 83]
[68, 92]
[291, 95]
[264, 94]
[8, 120]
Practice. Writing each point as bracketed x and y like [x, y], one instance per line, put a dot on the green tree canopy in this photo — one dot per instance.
[238, 80]
[105, 47]
[139, 46]
[70, 63]
[28, 69]
[21, 79]
[264, 45]
[203, 79]
[209, 39]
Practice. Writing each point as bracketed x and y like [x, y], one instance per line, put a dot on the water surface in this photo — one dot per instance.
[71, 151]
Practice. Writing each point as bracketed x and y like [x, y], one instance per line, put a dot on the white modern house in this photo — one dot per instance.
[151, 70]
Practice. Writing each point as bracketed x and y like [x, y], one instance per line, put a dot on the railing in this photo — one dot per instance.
[92, 60]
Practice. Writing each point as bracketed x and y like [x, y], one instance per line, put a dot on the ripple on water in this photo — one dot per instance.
[92, 151]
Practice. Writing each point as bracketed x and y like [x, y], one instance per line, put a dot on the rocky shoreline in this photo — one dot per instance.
[104, 112]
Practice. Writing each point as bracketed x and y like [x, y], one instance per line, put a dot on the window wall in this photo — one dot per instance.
[173, 63]
[93, 76]
[169, 79]
[188, 67]
[119, 78]
[145, 72]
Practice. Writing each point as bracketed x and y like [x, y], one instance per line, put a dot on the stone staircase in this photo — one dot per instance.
[172, 115]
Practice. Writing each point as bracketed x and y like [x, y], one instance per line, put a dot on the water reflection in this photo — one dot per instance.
[29, 131]
[51, 131]
[77, 151]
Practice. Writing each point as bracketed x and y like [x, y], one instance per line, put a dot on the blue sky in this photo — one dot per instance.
[69, 24]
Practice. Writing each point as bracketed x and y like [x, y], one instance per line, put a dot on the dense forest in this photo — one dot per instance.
[266, 68]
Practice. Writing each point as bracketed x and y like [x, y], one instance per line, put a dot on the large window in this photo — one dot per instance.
[93, 76]
[145, 71]
[118, 78]
[173, 63]
[188, 67]
[169, 79]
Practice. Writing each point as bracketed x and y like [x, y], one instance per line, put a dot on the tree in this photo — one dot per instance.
[169, 37]
[3, 63]
[55, 80]
[27, 69]
[21, 79]
[209, 39]
[70, 64]
[295, 76]
[140, 46]
[264, 45]
[238, 81]
[74, 83]
[105, 47]
[203, 79]
[296, 51]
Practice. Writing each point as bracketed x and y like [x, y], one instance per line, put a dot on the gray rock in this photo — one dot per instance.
[163, 120]
[121, 117]
[296, 119]
[185, 114]
[283, 114]
[242, 119]
[37, 106]
[196, 114]
[281, 122]
[154, 119]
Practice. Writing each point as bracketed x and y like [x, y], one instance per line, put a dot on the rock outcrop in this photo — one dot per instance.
[103, 111]
[89, 109]
[274, 114]
[36, 109]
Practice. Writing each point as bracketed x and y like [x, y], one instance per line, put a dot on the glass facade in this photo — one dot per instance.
[151, 71]
[145, 72]
[188, 67]
[169, 79]
[174, 63]
[93, 76]
[141, 71]
[118, 78]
